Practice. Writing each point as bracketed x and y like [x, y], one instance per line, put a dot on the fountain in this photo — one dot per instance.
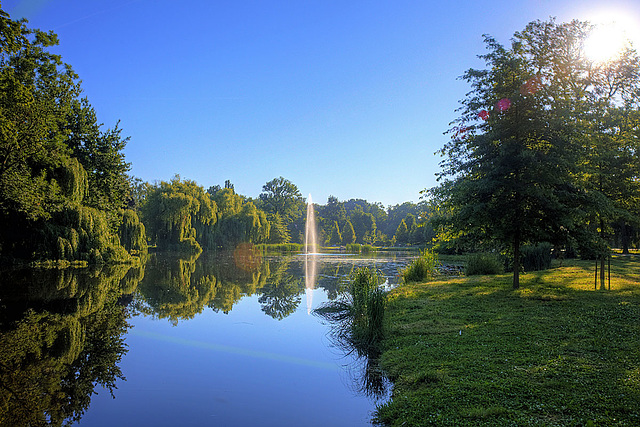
[310, 230]
[310, 252]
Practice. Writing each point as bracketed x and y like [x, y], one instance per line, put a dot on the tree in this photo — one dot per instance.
[348, 233]
[333, 211]
[281, 196]
[239, 220]
[63, 181]
[278, 232]
[364, 225]
[402, 233]
[335, 238]
[100, 153]
[395, 214]
[180, 215]
[513, 156]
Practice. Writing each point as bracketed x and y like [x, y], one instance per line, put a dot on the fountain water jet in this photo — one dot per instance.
[310, 249]
[310, 229]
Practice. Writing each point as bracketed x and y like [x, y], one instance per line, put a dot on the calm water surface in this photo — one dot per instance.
[227, 340]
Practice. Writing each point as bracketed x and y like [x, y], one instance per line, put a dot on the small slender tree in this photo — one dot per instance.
[348, 234]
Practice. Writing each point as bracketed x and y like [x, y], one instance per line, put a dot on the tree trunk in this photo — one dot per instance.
[602, 235]
[625, 238]
[516, 261]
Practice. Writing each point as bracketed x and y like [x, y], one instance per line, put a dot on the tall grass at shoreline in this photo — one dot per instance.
[357, 248]
[280, 248]
[421, 268]
[358, 317]
[483, 263]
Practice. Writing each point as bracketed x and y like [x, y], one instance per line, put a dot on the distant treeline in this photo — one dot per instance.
[66, 193]
[181, 215]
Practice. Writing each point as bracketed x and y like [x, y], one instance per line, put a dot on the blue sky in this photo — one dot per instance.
[343, 98]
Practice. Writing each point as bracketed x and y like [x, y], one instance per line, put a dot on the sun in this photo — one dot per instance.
[605, 43]
[612, 33]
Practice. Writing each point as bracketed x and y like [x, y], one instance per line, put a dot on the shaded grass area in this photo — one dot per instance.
[472, 351]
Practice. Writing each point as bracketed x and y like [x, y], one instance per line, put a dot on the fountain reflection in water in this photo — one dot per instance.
[310, 252]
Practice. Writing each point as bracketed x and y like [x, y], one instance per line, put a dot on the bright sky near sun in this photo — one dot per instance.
[343, 98]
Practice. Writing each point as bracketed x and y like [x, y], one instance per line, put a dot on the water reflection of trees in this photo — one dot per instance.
[178, 289]
[281, 295]
[61, 334]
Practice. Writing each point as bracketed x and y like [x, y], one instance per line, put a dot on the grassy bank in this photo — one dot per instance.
[471, 351]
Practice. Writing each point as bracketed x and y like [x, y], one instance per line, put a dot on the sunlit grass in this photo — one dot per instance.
[558, 351]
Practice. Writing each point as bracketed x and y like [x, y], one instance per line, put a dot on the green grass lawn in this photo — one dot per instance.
[472, 351]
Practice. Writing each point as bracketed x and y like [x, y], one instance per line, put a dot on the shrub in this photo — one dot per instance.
[536, 257]
[482, 263]
[421, 268]
[354, 248]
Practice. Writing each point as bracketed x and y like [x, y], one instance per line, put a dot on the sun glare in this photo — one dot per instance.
[612, 33]
[605, 43]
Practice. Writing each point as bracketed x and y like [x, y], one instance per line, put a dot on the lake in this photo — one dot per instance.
[226, 340]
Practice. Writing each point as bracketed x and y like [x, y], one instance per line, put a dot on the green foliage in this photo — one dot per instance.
[348, 234]
[69, 340]
[402, 233]
[366, 249]
[536, 257]
[280, 247]
[334, 236]
[522, 157]
[132, 232]
[353, 248]
[364, 226]
[62, 179]
[482, 263]
[358, 318]
[179, 215]
[357, 248]
[281, 196]
[421, 268]
[278, 234]
[179, 288]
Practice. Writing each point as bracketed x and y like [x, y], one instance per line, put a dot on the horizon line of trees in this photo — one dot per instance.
[545, 150]
[180, 214]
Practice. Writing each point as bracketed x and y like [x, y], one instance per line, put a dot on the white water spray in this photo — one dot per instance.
[310, 250]
[310, 229]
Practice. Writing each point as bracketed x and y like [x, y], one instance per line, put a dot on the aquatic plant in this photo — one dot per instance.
[421, 268]
[358, 317]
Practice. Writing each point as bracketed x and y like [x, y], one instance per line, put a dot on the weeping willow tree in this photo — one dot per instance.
[239, 221]
[63, 180]
[132, 232]
[179, 215]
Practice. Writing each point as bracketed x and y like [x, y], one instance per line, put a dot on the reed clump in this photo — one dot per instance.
[280, 248]
[537, 257]
[422, 268]
[357, 248]
[358, 317]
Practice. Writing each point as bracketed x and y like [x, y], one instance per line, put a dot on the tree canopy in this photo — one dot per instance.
[521, 162]
[63, 180]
